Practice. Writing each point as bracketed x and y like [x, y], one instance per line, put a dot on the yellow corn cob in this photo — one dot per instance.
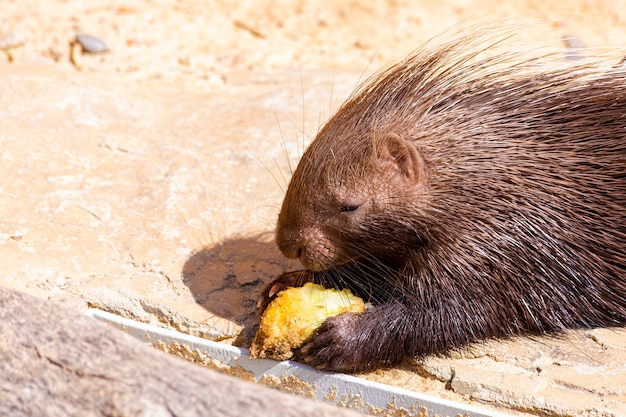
[295, 314]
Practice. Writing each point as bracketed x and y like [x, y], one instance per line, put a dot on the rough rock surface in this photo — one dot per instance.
[146, 180]
[56, 363]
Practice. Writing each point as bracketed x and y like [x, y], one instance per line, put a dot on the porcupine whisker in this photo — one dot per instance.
[283, 145]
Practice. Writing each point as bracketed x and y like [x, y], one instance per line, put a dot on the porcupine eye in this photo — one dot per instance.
[349, 208]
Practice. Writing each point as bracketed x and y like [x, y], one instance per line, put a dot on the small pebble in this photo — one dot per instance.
[91, 44]
[12, 40]
[76, 50]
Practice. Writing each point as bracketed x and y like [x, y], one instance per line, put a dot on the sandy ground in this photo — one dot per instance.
[146, 180]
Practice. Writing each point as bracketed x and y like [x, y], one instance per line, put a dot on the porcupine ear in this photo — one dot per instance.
[393, 150]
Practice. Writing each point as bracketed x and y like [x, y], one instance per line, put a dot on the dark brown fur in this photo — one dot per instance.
[465, 198]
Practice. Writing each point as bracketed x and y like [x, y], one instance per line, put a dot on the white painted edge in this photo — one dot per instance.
[333, 388]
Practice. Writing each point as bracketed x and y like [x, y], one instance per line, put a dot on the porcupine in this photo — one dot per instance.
[465, 198]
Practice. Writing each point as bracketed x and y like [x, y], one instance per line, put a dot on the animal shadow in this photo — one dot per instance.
[227, 278]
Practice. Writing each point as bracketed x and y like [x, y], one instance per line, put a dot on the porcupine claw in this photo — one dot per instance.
[284, 281]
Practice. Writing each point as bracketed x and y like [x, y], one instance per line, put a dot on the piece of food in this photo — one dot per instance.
[295, 314]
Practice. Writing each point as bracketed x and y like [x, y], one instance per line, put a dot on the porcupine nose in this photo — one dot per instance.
[290, 246]
[299, 243]
[292, 252]
[295, 252]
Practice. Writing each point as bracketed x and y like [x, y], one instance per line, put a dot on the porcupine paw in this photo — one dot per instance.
[286, 280]
[338, 345]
